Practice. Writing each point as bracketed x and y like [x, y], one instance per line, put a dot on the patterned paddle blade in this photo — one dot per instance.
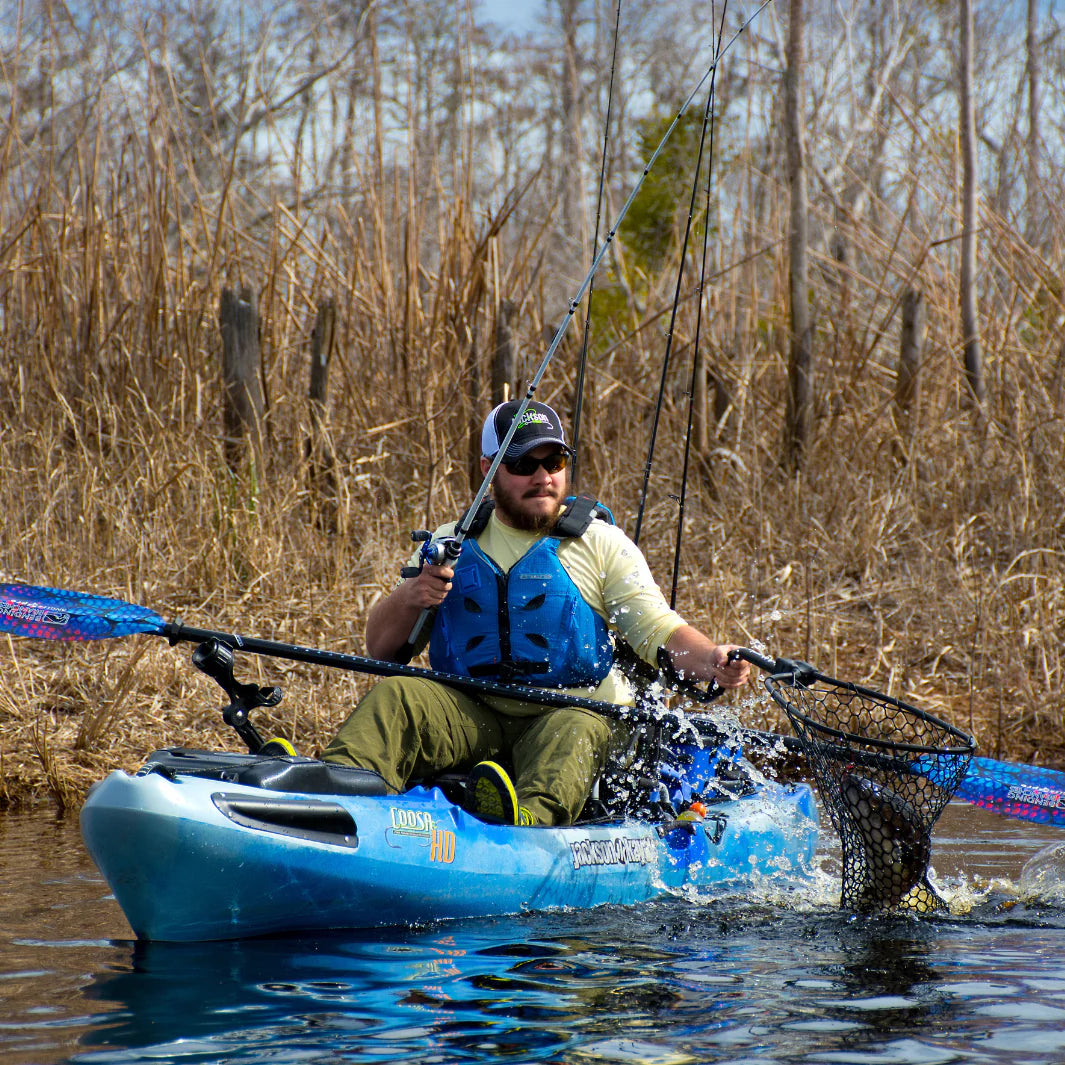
[57, 614]
[1026, 792]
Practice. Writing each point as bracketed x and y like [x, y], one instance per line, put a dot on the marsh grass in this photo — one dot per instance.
[918, 555]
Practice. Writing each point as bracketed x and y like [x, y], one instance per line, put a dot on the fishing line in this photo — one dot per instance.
[583, 360]
[676, 295]
[698, 334]
[462, 529]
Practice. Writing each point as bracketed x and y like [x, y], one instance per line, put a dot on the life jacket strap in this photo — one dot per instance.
[580, 512]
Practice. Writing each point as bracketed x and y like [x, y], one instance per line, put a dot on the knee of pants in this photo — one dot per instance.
[579, 732]
[397, 692]
[383, 711]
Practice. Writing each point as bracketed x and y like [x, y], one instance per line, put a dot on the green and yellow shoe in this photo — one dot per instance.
[491, 796]
[277, 745]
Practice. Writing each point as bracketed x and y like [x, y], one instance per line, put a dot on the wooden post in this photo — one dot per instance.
[504, 358]
[320, 454]
[907, 378]
[238, 319]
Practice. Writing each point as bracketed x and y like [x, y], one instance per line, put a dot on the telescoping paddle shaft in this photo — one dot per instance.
[1025, 792]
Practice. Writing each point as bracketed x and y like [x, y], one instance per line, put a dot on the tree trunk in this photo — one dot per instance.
[570, 189]
[800, 362]
[907, 378]
[319, 448]
[970, 329]
[238, 319]
[1032, 210]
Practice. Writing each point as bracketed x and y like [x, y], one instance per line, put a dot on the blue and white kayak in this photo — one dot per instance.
[202, 846]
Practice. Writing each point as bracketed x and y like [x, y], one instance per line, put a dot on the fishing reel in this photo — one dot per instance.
[443, 551]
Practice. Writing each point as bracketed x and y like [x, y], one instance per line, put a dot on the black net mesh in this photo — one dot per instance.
[885, 771]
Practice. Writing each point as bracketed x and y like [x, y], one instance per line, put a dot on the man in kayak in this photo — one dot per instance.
[532, 599]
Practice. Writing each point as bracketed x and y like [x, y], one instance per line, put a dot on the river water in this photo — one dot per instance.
[741, 980]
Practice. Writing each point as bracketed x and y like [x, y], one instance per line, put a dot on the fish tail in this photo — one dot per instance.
[922, 898]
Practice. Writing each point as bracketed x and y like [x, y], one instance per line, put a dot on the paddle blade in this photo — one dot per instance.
[56, 614]
[1026, 792]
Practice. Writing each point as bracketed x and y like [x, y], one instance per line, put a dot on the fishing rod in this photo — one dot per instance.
[707, 121]
[454, 543]
[582, 362]
[701, 288]
[1015, 790]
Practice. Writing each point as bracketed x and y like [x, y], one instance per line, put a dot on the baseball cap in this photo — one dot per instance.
[539, 425]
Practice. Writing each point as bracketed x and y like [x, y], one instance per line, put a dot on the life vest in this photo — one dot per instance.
[530, 625]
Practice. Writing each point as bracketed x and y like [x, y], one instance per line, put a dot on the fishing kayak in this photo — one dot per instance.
[204, 845]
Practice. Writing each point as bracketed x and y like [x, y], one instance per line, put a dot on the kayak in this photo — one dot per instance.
[201, 845]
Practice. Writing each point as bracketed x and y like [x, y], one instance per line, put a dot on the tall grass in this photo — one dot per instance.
[936, 576]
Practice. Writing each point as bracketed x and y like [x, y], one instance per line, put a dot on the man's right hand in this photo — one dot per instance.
[391, 619]
[429, 588]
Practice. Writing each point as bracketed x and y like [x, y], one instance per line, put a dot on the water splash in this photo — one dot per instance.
[1043, 875]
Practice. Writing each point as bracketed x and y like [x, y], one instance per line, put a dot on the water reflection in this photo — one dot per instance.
[788, 980]
[474, 989]
[671, 986]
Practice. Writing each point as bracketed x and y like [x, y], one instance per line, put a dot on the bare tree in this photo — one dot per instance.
[570, 188]
[1032, 51]
[970, 329]
[800, 362]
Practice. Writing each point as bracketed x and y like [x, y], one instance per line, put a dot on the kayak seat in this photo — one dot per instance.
[312, 777]
[286, 773]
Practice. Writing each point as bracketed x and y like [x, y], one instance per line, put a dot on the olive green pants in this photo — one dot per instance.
[407, 728]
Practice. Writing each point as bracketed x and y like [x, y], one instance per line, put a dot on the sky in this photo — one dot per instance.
[514, 14]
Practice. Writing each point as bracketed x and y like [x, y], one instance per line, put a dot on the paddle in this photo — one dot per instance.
[1028, 793]
[1013, 789]
[57, 614]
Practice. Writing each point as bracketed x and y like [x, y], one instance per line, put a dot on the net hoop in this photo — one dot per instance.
[802, 720]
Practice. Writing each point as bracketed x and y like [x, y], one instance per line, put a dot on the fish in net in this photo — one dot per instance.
[885, 770]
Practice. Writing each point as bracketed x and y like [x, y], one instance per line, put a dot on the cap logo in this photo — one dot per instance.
[530, 416]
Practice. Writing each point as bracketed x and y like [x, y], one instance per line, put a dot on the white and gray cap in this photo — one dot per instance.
[539, 425]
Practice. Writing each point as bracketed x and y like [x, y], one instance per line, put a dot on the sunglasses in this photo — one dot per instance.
[526, 466]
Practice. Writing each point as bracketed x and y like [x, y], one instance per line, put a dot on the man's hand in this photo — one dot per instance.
[391, 619]
[429, 588]
[696, 658]
[730, 673]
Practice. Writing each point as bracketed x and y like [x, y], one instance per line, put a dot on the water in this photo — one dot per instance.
[737, 981]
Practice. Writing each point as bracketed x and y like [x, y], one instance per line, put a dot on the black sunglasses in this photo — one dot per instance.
[526, 466]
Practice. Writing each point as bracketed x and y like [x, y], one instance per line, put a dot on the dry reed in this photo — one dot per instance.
[939, 579]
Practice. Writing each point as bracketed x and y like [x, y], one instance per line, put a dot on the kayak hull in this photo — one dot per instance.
[192, 859]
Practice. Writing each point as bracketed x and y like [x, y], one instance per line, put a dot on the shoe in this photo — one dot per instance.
[492, 796]
[276, 746]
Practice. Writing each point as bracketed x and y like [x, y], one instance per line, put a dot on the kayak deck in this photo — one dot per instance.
[198, 858]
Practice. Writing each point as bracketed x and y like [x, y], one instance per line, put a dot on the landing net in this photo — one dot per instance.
[885, 770]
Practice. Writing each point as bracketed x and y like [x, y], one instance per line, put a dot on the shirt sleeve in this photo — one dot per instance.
[634, 604]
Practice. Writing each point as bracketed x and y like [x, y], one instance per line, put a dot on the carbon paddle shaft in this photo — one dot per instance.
[178, 633]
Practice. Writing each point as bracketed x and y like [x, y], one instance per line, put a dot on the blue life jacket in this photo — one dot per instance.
[530, 625]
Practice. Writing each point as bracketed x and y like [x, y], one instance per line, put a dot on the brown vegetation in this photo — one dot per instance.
[915, 551]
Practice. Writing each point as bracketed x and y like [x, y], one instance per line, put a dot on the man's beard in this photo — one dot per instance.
[509, 506]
